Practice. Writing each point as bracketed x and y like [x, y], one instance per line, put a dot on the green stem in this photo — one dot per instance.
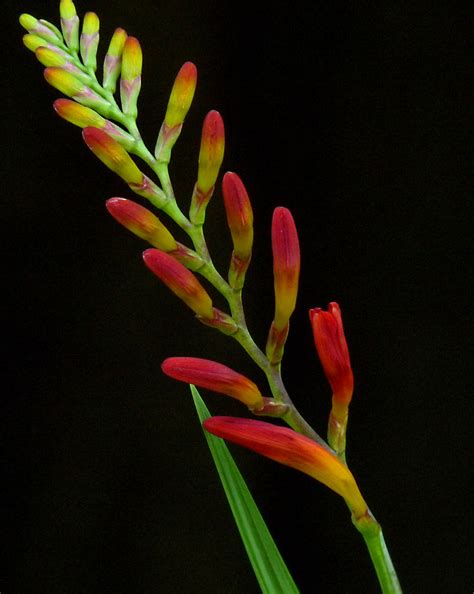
[381, 560]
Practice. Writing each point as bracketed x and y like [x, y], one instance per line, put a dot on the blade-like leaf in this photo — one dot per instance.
[268, 565]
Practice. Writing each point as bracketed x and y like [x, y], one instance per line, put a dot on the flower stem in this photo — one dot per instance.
[381, 560]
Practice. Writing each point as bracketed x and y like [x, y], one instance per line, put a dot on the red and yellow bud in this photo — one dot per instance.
[211, 153]
[292, 449]
[143, 223]
[214, 376]
[182, 95]
[65, 82]
[50, 57]
[180, 280]
[286, 265]
[239, 214]
[89, 41]
[113, 155]
[210, 159]
[77, 114]
[333, 353]
[113, 60]
[131, 70]
[69, 23]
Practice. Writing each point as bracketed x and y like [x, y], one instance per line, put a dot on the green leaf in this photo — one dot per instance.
[268, 565]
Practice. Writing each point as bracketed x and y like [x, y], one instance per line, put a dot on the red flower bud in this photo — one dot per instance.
[286, 265]
[180, 280]
[214, 376]
[333, 352]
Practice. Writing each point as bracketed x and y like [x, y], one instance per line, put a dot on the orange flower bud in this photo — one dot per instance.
[180, 280]
[143, 223]
[79, 115]
[182, 95]
[286, 265]
[214, 376]
[333, 352]
[292, 449]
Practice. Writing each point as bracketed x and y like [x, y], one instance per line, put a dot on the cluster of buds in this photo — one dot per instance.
[92, 107]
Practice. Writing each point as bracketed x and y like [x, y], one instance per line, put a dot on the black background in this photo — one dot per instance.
[353, 115]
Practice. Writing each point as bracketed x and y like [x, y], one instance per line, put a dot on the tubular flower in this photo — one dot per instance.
[333, 353]
[214, 376]
[180, 280]
[39, 29]
[286, 265]
[143, 223]
[291, 449]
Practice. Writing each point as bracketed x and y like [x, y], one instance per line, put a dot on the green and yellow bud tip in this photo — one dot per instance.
[67, 10]
[113, 155]
[91, 24]
[214, 376]
[132, 59]
[211, 153]
[49, 57]
[180, 280]
[117, 43]
[239, 214]
[28, 22]
[182, 95]
[292, 449]
[142, 222]
[64, 81]
[33, 42]
[286, 265]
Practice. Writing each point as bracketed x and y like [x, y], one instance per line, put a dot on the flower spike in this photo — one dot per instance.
[240, 220]
[179, 103]
[131, 79]
[180, 280]
[292, 449]
[286, 270]
[211, 155]
[214, 376]
[333, 353]
[143, 223]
